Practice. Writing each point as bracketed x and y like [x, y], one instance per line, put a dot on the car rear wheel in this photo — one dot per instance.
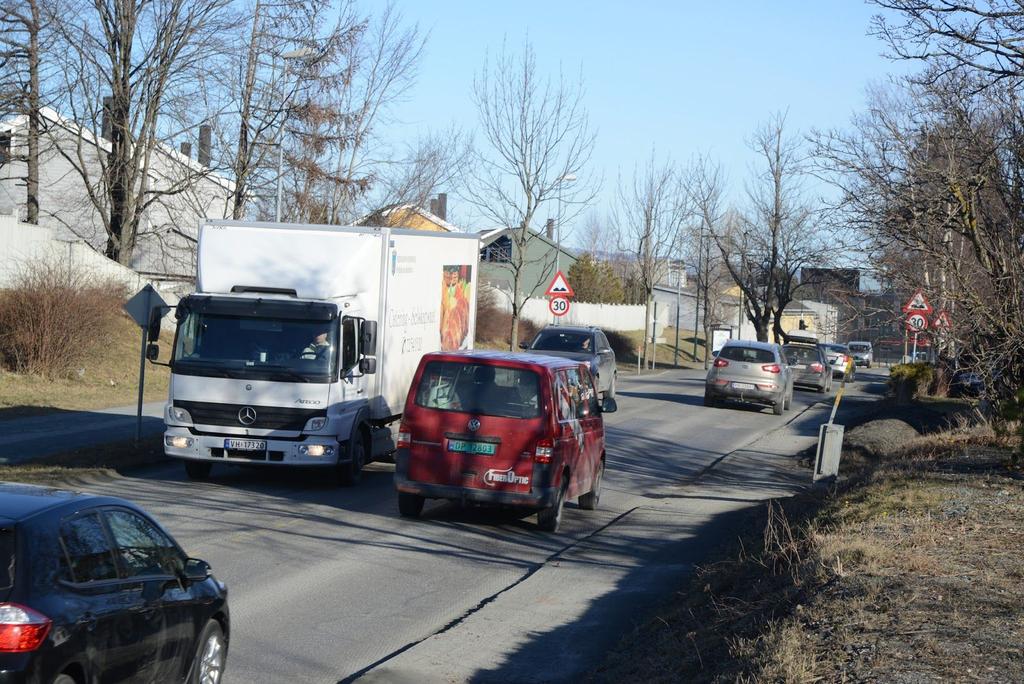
[610, 392]
[208, 662]
[709, 401]
[589, 501]
[352, 472]
[778, 406]
[198, 470]
[410, 505]
[64, 678]
[787, 402]
[549, 519]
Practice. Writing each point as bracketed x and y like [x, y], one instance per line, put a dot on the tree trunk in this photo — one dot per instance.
[648, 326]
[513, 343]
[32, 162]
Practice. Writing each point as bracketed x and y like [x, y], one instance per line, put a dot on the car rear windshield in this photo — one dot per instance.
[556, 340]
[6, 558]
[479, 388]
[854, 347]
[798, 354]
[748, 354]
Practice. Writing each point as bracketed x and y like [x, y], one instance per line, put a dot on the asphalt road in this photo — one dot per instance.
[330, 584]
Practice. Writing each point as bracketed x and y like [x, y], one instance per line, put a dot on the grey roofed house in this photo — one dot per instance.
[496, 258]
[166, 247]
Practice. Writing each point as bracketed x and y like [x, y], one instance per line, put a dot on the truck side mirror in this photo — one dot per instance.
[368, 365]
[368, 337]
[156, 314]
[152, 351]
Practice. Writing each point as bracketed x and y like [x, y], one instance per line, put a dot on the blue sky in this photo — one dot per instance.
[683, 77]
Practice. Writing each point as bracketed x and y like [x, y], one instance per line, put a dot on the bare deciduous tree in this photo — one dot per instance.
[537, 134]
[130, 69]
[21, 51]
[649, 216]
[766, 248]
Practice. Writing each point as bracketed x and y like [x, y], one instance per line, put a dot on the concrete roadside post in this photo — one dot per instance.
[146, 308]
[830, 442]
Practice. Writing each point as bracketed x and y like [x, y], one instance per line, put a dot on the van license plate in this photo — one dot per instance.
[482, 448]
[246, 444]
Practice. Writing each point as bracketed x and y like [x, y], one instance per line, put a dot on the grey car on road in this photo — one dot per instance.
[750, 372]
[580, 343]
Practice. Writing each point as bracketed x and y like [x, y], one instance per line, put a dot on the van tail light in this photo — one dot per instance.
[545, 451]
[721, 363]
[817, 367]
[772, 368]
[21, 628]
[404, 437]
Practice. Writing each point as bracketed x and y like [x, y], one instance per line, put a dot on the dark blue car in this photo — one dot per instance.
[94, 590]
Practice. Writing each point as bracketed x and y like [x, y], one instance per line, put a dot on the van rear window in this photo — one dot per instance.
[6, 558]
[478, 388]
[748, 354]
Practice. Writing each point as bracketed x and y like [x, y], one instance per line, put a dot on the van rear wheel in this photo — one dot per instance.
[548, 519]
[410, 505]
[589, 501]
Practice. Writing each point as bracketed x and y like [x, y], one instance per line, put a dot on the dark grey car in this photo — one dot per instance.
[581, 344]
[750, 372]
[810, 366]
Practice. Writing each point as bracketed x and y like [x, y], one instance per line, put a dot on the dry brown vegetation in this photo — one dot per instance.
[53, 316]
[908, 570]
[494, 324]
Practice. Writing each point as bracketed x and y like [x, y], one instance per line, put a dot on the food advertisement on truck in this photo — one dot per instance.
[456, 293]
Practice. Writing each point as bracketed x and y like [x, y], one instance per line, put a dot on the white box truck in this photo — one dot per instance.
[300, 343]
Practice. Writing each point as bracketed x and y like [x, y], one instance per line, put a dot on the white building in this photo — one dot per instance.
[166, 242]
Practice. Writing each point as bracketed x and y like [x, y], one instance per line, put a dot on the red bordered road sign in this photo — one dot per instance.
[560, 287]
[918, 304]
[558, 306]
[942, 321]
[917, 322]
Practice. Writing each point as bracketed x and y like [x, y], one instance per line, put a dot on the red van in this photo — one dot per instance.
[502, 429]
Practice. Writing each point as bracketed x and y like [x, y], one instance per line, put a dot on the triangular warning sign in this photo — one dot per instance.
[942, 321]
[559, 287]
[918, 304]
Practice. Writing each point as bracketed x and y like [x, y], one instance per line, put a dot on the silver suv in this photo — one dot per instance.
[587, 344]
[863, 354]
[750, 372]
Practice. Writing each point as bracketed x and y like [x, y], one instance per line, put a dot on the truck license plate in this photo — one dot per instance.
[246, 444]
[483, 448]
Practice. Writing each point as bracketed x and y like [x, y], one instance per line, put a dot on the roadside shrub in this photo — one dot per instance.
[1012, 411]
[494, 324]
[53, 316]
[909, 381]
[623, 347]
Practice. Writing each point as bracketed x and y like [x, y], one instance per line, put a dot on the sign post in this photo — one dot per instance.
[918, 309]
[146, 308]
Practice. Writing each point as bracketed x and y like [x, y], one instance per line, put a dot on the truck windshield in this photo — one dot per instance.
[257, 348]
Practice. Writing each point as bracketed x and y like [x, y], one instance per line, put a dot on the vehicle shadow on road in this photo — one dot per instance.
[662, 396]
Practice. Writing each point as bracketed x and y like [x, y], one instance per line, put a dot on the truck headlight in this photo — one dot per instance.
[316, 450]
[176, 414]
[177, 441]
[316, 424]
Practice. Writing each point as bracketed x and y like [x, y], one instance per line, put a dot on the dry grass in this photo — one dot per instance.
[908, 571]
[108, 376]
[62, 470]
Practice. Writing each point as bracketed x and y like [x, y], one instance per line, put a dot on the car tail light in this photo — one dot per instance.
[721, 363]
[545, 451]
[404, 437]
[772, 368]
[21, 629]
[817, 367]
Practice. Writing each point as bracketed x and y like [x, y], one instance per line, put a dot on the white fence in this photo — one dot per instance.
[23, 244]
[621, 317]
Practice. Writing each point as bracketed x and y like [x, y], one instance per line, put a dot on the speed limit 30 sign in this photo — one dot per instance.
[917, 322]
[559, 306]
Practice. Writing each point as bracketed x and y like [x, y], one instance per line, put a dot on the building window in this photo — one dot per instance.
[5, 147]
[498, 252]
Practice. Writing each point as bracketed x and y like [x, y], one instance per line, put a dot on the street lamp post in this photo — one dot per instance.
[285, 57]
[567, 178]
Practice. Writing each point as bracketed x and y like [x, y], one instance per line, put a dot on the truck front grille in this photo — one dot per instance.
[266, 418]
